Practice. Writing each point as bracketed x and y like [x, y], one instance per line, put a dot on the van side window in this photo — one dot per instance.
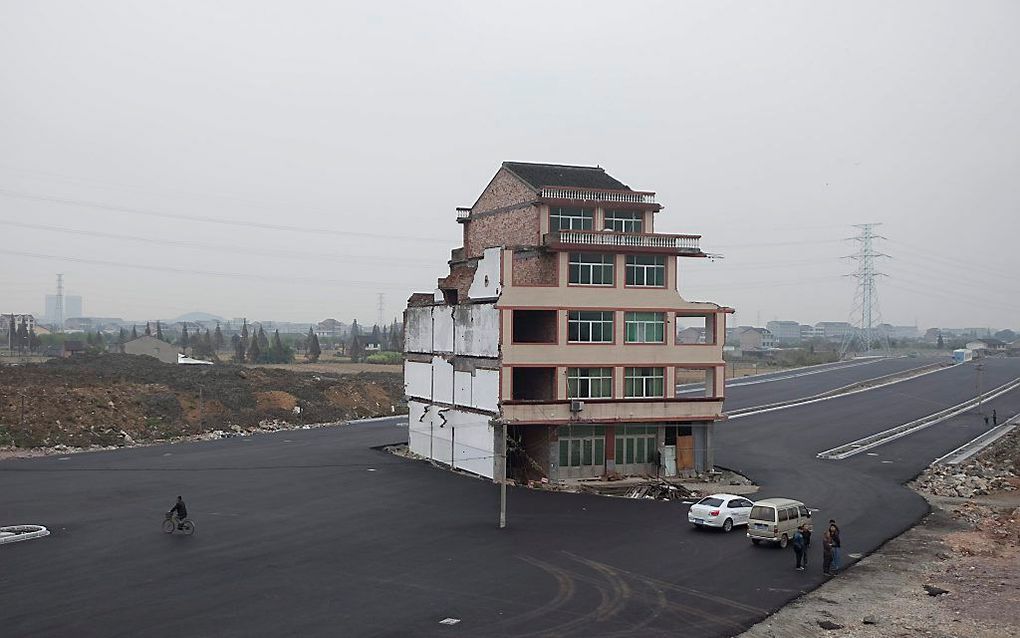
[784, 515]
[804, 513]
[793, 513]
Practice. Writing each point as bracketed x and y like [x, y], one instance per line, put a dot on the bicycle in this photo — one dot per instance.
[171, 523]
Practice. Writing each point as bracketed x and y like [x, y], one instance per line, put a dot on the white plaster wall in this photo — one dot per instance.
[485, 284]
[485, 390]
[442, 380]
[418, 379]
[477, 330]
[418, 336]
[473, 442]
[442, 329]
[419, 426]
[442, 434]
[462, 388]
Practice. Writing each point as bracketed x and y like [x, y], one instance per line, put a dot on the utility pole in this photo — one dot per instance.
[500, 471]
[866, 296]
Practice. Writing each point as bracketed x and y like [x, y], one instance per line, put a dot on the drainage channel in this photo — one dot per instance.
[881, 438]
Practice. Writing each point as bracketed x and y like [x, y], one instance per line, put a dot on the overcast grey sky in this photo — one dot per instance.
[769, 128]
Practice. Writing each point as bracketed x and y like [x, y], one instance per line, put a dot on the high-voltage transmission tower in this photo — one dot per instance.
[865, 312]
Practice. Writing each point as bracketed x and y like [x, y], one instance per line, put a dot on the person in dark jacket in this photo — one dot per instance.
[805, 531]
[180, 509]
[798, 547]
[836, 545]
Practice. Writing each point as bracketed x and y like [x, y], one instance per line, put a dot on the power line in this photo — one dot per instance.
[212, 220]
[231, 275]
[288, 254]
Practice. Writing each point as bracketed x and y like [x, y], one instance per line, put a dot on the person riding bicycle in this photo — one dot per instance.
[181, 510]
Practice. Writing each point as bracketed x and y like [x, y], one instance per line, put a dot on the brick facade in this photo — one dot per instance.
[504, 190]
[534, 268]
[518, 227]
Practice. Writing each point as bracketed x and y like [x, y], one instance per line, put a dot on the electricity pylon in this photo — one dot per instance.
[865, 313]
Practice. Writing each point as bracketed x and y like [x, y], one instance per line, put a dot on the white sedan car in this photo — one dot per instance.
[720, 510]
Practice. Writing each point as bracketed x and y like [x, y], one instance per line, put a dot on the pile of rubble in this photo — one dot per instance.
[977, 478]
[996, 469]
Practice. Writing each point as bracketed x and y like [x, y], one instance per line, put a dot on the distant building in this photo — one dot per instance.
[329, 328]
[152, 347]
[785, 332]
[691, 335]
[93, 324]
[72, 348]
[73, 307]
[756, 339]
[987, 345]
[5, 322]
[808, 332]
[897, 332]
[834, 330]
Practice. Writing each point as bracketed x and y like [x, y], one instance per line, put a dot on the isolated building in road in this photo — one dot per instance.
[153, 347]
[558, 322]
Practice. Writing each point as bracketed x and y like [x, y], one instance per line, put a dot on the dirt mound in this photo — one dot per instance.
[111, 399]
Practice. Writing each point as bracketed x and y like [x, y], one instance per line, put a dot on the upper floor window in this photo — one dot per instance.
[625, 221]
[590, 326]
[591, 269]
[646, 270]
[644, 327]
[569, 218]
[641, 383]
[589, 383]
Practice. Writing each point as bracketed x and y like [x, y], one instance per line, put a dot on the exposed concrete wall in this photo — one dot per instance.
[487, 282]
[442, 380]
[418, 379]
[442, 329]
[476, 328]
[418, 329]
[473, 442]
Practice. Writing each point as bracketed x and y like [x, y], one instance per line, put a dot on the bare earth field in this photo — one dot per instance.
[117, 400]
[331, 367]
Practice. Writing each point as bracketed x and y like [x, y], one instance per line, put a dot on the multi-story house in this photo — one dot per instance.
[556, 331]
[786, 332]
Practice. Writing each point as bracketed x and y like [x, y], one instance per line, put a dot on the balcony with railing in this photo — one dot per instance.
[608, 241]
[598, 195]
[463, 214]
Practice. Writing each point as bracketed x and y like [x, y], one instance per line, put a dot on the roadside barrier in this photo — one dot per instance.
[15, 533]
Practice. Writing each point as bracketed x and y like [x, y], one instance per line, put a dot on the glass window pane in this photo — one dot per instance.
[641, 453]
[630, 449]
[575, 453]
[563, 453]
[586, 457]
[600, 451]
[619, 450]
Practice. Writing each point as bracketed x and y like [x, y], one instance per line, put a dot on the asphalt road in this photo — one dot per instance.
[313, 532]
[807, 382]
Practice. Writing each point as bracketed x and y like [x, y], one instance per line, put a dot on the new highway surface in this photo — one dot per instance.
[314, 532]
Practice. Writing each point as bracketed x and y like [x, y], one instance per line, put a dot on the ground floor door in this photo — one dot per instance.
[582, 451]
[636, 449]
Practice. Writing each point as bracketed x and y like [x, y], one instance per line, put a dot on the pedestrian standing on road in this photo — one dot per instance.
[805, 531]
[837, 545]
[827, 553]
[798, 547]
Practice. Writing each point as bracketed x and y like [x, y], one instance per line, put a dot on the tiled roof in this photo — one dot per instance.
[540, 175]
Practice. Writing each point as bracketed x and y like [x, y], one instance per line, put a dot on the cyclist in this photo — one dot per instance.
[181, 510]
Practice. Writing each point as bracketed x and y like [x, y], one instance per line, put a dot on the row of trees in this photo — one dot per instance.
[258, 348]
[22, 337]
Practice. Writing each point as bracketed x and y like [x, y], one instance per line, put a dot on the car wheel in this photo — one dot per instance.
[755, 541]
[783, 541]
[727, 525]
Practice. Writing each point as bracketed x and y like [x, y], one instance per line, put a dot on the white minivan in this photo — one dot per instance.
[776, 520]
